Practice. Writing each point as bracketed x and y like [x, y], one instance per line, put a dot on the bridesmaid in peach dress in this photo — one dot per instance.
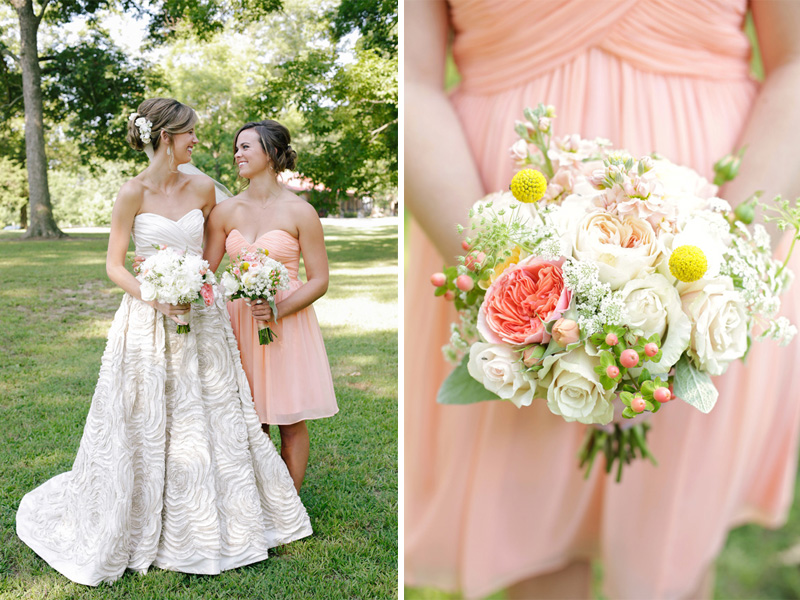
[493, 495]
[290, 378]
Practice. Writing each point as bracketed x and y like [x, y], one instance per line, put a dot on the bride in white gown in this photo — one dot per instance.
[173, 469]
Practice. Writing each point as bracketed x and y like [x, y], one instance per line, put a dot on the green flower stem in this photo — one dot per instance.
[788, 254]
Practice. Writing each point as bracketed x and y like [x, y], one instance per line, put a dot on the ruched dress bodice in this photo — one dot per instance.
[151, 230]
[649, 75]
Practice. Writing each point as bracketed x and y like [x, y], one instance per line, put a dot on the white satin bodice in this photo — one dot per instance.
[151, 230]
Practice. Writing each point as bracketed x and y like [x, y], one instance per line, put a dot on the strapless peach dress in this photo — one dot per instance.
[493, 494]
[290, 378]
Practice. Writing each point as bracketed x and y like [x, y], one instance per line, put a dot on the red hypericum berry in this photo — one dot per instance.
[650, 349]
[438, 279]
[638, 405]
[629, 358]
[465, 245]
[612, 371]
[662, 394]
[449, 295]
[612, 339]
[473, 261]
[465, 283]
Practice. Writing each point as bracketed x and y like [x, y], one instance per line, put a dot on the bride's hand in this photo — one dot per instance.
[173, 311]
[261, 310]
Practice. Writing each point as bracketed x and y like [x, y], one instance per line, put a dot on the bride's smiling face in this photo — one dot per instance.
[183, 145]
[250, 156]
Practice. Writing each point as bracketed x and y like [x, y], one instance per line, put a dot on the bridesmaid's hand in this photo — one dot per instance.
[261, 310]
[173, 311]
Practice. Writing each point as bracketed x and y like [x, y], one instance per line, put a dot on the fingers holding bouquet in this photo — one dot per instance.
[261, 310]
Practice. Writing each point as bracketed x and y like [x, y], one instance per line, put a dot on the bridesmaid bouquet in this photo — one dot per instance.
[255, 276]
[175, 277]
[608, 285]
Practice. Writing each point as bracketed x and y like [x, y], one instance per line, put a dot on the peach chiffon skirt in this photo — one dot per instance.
[290, 377]
[493, 494]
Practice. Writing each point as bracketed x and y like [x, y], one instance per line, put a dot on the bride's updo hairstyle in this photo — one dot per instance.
[165, 114]
[275, 140]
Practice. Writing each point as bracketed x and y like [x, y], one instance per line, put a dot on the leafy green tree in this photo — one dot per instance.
[91, 82]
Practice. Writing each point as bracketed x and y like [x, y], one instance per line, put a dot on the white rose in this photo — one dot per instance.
[566, 216]
[499, 369]
[229, 283]
[148, 291]
[719, 323]
[654, 306]
[623, 249]
[574, 390]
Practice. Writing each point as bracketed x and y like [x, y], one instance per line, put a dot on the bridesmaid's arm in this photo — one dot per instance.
[315, 259]
[214, 247]
[441, 179]
[772, 163]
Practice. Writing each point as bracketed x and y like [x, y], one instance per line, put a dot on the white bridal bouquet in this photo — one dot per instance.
[175, 277]
[255, 276]
[607, 285]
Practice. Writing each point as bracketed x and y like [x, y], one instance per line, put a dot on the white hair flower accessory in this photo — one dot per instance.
[144, 127]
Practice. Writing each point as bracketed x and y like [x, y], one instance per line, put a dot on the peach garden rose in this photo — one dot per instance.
[521, 300]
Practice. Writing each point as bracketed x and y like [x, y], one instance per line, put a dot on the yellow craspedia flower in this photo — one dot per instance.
[688, 263]
[528, 185]
[244, 266]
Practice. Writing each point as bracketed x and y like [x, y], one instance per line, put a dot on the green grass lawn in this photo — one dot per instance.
[56, 305]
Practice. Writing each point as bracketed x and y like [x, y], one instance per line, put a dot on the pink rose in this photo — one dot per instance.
[521, 300]
[565, 332]
[207, 292]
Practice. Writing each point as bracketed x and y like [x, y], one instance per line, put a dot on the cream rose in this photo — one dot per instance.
[499, 369]
[654, 306]
[719, 323]
[574, 390]
[623, 249]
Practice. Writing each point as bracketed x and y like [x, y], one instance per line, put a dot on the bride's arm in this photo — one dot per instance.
[772, 162]
[127, 204]
[441, 179]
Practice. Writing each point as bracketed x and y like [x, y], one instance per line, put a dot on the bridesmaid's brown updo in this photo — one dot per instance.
[166, 115]
[275, 139]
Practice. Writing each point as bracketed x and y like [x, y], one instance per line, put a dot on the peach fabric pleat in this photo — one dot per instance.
[290, 377]
[493, 494]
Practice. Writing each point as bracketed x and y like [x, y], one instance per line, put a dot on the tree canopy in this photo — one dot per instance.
[326, 69]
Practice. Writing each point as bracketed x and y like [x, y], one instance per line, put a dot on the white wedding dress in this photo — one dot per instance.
[173, 469]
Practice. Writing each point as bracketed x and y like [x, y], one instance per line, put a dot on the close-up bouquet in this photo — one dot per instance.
[255, 276]
[175, 277]
[607, 285]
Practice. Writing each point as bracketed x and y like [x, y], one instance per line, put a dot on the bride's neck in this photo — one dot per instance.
[161, 174]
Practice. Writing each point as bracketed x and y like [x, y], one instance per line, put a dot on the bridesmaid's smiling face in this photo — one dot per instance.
[250, 156]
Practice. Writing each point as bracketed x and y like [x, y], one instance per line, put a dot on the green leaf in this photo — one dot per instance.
[607, 359]
[644, 375]
[440, 291]
[694, 387]
[461, 388]
[626, 398]
[628, 413]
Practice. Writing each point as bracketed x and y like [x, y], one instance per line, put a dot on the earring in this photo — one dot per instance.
[169, 151]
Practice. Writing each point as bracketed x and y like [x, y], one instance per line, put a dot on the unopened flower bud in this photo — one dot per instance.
[565, 332]
[532, 355]
[745, 212]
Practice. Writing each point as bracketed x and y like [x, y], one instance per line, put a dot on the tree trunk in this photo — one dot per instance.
[23, 216]
[42, 224]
